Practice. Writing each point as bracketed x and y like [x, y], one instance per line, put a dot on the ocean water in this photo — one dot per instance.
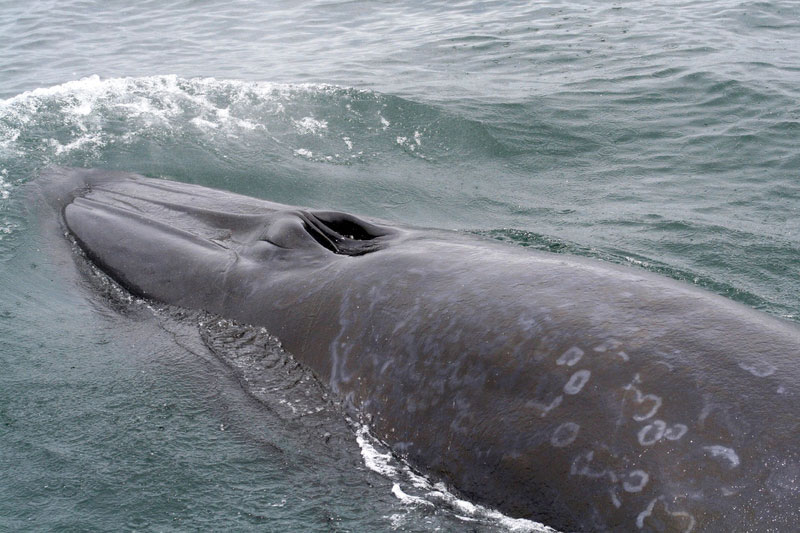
[665, 137]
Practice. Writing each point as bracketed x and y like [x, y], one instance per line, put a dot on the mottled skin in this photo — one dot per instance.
[585, 395]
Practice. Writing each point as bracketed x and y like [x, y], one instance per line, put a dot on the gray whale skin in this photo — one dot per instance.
[585, 395]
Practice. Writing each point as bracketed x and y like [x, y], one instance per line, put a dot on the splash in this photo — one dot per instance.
[88, 121]
[415, 490]
[5, 187]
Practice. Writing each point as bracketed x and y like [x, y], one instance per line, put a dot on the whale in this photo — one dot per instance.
[586, 395]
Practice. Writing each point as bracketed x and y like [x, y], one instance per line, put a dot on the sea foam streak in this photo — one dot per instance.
[95, 119]
[87, 113]
[434, 494]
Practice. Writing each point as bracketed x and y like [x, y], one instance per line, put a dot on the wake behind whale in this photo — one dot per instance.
[584, 395]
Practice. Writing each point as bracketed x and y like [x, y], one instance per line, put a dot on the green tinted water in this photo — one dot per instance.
[664, 137]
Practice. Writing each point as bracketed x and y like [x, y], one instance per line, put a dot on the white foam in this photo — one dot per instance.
[310, 125]
[386, 465]
[204, 124]
[398, 520]
[5, 187]
[84, 115]
[520, 525]
[408, 499]
[303, 152]
[412, 144]
[373, 459]
[637, 262]
[88, 141]
[6, 228]
[8, 134]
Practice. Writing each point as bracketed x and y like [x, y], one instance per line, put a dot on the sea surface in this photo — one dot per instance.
[664, 136]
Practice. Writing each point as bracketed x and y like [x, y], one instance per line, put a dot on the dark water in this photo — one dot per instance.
[664, 137]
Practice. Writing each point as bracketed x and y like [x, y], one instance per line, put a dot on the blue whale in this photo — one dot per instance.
[584, 395]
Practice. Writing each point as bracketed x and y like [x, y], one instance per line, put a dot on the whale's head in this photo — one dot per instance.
[179, 243]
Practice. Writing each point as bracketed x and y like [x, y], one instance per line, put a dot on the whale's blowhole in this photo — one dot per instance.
[344, 234]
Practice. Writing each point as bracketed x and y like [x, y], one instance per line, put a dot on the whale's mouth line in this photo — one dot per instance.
[343, 234]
